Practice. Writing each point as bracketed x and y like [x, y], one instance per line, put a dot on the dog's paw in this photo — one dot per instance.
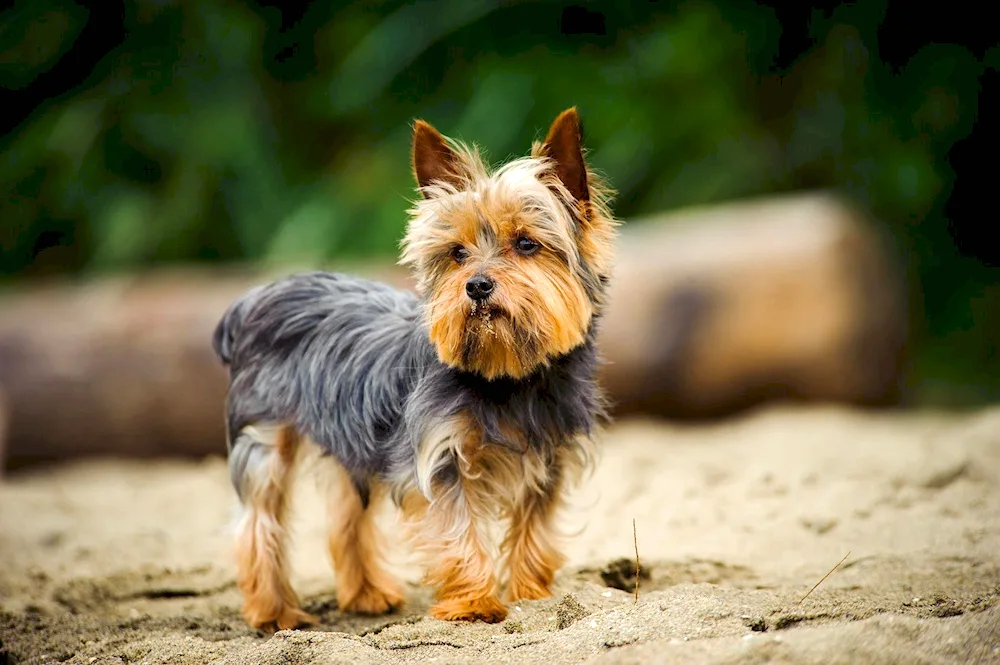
[285, 618]
[374, 601]
[488, 609]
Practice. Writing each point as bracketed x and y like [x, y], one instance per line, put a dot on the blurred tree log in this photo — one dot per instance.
[719, 308]
[712, 310]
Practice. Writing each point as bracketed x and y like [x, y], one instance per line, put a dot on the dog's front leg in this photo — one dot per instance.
[531, 546]
[460, 569]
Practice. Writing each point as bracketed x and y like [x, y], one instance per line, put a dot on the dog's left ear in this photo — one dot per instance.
[563, 147]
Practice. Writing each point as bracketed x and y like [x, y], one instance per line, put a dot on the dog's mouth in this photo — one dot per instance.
[483, 316]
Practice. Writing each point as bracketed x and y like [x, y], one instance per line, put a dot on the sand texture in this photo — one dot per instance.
[113, 562]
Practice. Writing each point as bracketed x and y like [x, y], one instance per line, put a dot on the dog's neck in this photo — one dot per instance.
[581, 357]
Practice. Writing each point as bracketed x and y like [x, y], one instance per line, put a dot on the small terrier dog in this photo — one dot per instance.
[470, 403]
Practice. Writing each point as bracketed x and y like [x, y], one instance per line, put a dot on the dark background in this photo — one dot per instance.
[166, 132]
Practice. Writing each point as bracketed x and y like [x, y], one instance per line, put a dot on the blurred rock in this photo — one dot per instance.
[712, 310]
[724, 307]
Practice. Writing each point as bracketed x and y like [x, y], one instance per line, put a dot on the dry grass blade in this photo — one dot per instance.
[635, 542]
[824, 577]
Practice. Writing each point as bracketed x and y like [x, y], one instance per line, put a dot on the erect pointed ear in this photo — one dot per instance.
[433, 158]
[563, 146]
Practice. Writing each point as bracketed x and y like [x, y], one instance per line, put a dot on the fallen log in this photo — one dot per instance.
[723, 307]
[120, 365]
[711, 310]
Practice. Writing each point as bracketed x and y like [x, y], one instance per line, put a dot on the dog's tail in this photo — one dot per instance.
[222, 338]
[227, 331]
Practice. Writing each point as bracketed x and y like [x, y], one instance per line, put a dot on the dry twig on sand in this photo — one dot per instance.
[635, 542]
[824, 577]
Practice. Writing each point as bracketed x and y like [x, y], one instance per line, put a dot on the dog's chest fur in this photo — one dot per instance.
[502, 431]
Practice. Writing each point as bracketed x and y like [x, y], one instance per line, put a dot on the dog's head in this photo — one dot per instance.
[512, 262]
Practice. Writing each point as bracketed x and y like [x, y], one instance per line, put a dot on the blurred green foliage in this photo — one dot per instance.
[216, 132]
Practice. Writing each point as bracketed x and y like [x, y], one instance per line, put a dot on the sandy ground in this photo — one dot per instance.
[121, 562]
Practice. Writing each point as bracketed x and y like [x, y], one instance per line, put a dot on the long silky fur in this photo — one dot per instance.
[347, 362]
[462, 415]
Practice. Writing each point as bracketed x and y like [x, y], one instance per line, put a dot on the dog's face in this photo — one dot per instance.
[512, 263]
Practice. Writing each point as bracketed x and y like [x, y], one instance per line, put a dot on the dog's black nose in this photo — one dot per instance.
[479, 287]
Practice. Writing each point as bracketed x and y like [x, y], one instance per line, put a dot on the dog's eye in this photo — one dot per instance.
[459, 253]
[526, 245]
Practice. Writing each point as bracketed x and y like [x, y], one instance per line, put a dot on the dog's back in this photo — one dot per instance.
[331, 354]
[283, 314]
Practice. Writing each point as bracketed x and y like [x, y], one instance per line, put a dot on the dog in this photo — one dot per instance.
[469, 403]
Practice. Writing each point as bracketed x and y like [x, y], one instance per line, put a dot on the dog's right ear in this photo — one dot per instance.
[433, 159]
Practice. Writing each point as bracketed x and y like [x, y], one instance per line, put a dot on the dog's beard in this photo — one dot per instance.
[484, 318]
[497, 338]
[493, 344]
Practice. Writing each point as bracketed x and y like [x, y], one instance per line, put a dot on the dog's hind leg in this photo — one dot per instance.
[357, 548]
[261, 465]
